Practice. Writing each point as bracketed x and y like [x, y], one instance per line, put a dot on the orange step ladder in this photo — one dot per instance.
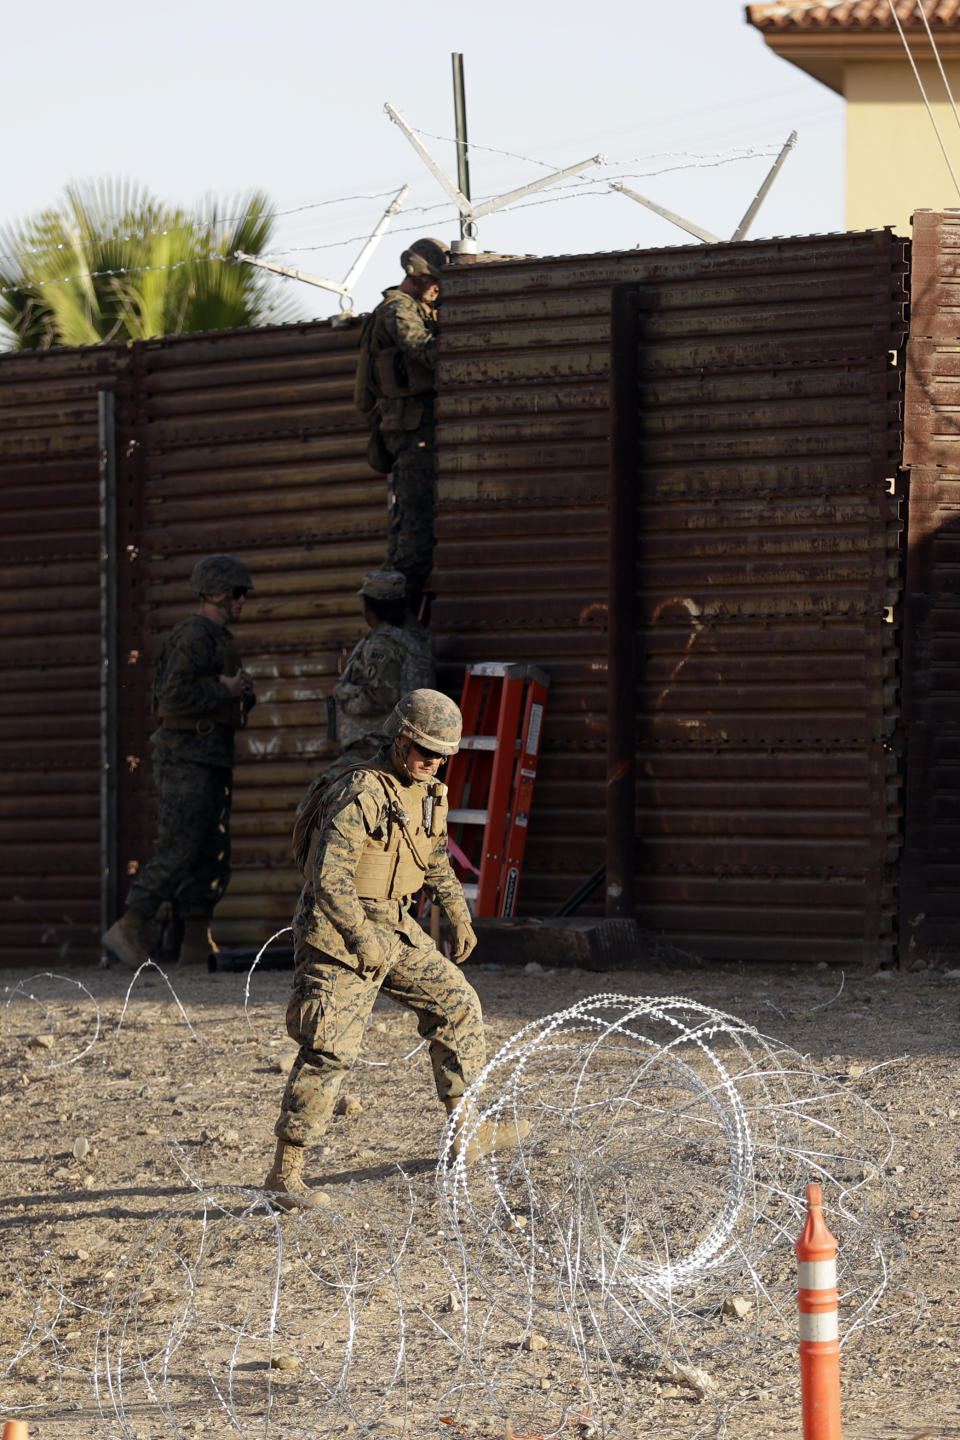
[490, 781]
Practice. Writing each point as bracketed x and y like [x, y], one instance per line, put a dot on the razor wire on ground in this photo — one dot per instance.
[627, 1269]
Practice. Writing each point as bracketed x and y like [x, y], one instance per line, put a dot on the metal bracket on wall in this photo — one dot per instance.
[750, 215]
[344, 287]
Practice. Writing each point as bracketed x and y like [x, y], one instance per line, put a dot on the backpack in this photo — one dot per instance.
[306, 822]
[309, 816]
[364, 395]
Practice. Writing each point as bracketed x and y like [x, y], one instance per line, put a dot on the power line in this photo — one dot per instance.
[565, 191]
[926, 100]
[193, 221]
[936, 50]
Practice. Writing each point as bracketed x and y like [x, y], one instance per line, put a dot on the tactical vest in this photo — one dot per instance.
[394, 868]
[384, 371]
[398, 376]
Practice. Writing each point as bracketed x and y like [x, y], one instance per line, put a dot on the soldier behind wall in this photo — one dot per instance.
[396, 389]
[392, 659]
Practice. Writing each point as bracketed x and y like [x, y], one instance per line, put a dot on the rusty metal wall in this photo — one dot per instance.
[766, 425]
[931, 662]
[523, 523]
[246, 442]
[50, 856]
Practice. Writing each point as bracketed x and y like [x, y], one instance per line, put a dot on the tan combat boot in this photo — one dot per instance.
[126, 940]
[473, 1143]
[197, 941]
[285, 1185]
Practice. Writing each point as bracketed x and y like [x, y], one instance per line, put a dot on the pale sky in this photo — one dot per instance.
[217, 98]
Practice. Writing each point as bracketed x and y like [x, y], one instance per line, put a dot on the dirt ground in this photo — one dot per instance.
[123, 1107]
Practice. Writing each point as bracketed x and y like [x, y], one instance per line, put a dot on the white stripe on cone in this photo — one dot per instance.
[818, 1274]
[820, 1327]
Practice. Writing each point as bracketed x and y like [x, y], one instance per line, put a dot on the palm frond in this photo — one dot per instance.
[110, 262]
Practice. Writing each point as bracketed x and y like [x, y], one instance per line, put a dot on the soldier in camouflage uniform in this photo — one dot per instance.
[400, 373]
[381, 835]
[201, 696]
[391, 660]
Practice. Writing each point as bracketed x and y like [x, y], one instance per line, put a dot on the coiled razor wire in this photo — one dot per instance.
[664, 1152]
[54, 1014]
[294, 1325]
[632, 1246]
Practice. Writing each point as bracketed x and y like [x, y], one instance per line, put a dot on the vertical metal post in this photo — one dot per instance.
[109, 672]
[622, 601]
[460, 120]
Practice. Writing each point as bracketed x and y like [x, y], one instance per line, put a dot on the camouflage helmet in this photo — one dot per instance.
[383, 585]
[215, 574]
[425, 257]
[429, 719]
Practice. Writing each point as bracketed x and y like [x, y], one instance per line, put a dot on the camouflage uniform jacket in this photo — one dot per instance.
[187, 684]
[409, 326]
[387, 663]
[330, 915]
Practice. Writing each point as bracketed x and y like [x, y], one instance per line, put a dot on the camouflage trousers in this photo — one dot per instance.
[330, 1006]
[190, 863]
[410, 485]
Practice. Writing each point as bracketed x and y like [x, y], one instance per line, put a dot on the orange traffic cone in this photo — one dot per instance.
[819, 1324]
[16, 1430]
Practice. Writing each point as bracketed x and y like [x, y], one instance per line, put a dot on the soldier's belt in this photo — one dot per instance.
[233, 716]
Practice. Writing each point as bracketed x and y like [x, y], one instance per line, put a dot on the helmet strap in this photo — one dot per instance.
[399, 752]
[221, 606]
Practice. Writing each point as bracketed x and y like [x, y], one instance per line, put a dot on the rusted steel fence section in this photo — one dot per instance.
[750, 545]
[50, 618]
[930, 908]
[764, 477]
[721, 468]
[245, 441]
[248, 443]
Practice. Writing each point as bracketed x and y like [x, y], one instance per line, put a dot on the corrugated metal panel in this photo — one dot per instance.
[931, 665]
[247, 442]
[768, 418]
[50, 856]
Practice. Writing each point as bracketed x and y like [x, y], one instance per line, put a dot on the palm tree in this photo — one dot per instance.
[110, 262]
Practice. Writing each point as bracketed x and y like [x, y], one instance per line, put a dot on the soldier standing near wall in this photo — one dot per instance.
[201, 696]
[396, 386]
[381, 835]
[385, 665]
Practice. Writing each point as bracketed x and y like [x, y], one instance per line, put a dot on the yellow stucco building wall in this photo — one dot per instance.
[894, 161]
[866, 52]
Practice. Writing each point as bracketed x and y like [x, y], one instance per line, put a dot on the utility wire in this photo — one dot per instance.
[926, 100]
[193, 221]
[568, 190]
[936, 50]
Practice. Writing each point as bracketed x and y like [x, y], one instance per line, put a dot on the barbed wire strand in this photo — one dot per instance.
[663, 1150]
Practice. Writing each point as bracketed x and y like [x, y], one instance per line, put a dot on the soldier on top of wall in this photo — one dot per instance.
[396, 387]
[201, 697]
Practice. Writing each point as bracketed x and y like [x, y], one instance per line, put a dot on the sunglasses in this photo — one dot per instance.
[239, 591]
[427, 754]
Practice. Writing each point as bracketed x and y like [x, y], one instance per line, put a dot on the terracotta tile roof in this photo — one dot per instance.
[853, 15]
